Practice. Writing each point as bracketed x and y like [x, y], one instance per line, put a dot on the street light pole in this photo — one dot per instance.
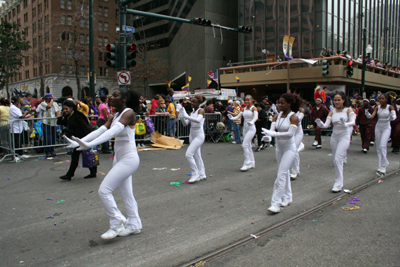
[364, 64]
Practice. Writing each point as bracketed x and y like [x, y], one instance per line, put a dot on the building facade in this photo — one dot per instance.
[58, 32]
[317, 24]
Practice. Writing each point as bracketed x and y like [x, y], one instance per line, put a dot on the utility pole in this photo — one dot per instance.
[288, 65]
[364, 63]
[91, 51]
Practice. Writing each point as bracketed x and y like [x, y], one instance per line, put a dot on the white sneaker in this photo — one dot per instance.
[294, 175]
[274, 209]
[194, 179]
[336, 190]
[234, 142]
[203, 177]
[253, 165]
[372, 143]
[24, 156]
[315, 143]
[383, 170]
[319, 146]
[364, 150]
[111, 233]
[285, 204]
[245, 168]
[129, 231]
[18, 159]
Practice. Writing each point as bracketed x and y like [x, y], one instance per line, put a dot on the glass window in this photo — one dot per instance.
[105, 71]
[82, 72]
[259, 47]
[100, 56]
[282, 9]
[100, 41]
[106, 26]
[100, 12]
[63, 68]
[100, 26]
[282, 28]
[329, 23]
[307, 54]
[248, 13]
[105, 12]
[307, 22]
[69, 4]
[69, 69]
[82, 38]
[105, 41]
[307, 6]
[307, 41]
[259, 31]
[260, 11]
[270, 29]
[270, 9]
[62, 20]
[294, 25]
[329, 6]
[329, 39]
[335, 25]
[69, 20]
[270, 45]
[62, 4]
[295, 6]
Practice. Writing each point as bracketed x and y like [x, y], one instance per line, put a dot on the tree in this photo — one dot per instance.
[12, 43]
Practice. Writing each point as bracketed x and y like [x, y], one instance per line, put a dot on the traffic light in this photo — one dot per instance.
[244, 29]
[130, 55]
[325, 68]
[349, 68]
[202, 22]
[112, 56]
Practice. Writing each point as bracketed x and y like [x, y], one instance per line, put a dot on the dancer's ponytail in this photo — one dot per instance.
[294, 100]
[132, 98]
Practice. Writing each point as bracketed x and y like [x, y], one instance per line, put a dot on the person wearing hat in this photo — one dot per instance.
[76, 124]
[366, 126]
[318, 112]
[50, 111]
[396, 127]
[323, 52]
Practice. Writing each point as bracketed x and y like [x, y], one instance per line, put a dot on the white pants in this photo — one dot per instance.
[382, 135]
[285, 153]
[193, 153]
[339, 144]
[297, 141]
[248, 134]
[126, 162]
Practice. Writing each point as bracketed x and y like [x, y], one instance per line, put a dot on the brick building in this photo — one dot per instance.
[57, 31]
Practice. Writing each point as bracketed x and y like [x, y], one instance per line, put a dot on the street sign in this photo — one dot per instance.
[128, 29]
[128, 34]
[124, 77]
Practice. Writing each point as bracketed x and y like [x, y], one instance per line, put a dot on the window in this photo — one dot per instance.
[18, 9]
[34, 58]
[13, 12]
[34, 43]
[19, 21]
[69, 20]
[46, 4]
[82, 71]
[62, 20]
[63, 68]
[62, 4]
[63, 53]
[105, 26]
[27, 74]
[26, 17]
[100, 71]
[82, 55]
[105, 56]
[69, 4]
[34, 12]
[39, 9]
[26, 31]
[100, 26]
[69, 69]
[25, 3]
[82, 38]
[20, 75]
[105, 71]
[34, 27]
[46, 19]
[105, 41]
[34, 72]
[105, 12]
[116, 13]
[87, 24]
[69, 52]
[100, 12]
[26, 61]
[100, 41]
[100, 56]
[82, 23]
[46, 37]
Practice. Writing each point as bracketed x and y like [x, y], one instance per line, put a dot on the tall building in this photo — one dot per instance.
[58, 31]
[185, 49]
[318, 24]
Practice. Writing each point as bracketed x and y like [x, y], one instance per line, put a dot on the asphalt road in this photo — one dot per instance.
[179, 224]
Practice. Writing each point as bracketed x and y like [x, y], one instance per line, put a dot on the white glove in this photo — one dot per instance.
[367, 114]
[82, 144]
[230, 116]
[266, 139]
[250, 123]
[72, 144]
[268, 132]
[319, 123]
[342, 122]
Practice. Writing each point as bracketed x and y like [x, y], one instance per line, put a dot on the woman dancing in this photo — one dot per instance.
[126, 162]
[385, 113]
[343, 119]
[298, 137]
[196, 138]
[250, 115]
[285, 123]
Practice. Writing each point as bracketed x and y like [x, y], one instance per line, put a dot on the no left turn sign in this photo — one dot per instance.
[124, 77]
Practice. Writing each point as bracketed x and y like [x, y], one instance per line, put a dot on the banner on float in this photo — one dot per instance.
[291, 41]
[285, 45]
[228, 92]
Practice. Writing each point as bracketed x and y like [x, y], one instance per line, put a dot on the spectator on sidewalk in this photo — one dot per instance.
[317, 93]
[171, 117]
[16, 126]
[27, 105]
[76, 124]
[236, 123]
[154, 104]
[50, 111]
[318, 112]
[323, 94]
[162, 113]
[395, 135]
[4, 124]
[104, 113]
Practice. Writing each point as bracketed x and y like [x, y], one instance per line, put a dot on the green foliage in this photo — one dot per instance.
[12, 43]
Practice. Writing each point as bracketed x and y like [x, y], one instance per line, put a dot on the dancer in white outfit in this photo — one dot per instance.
[250, 115]
[196, 139]
[298, 137]
[385, 113]
[126, 162]
[343, 119]
[285, 123]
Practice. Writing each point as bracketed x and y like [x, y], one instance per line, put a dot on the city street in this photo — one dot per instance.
[182, 223]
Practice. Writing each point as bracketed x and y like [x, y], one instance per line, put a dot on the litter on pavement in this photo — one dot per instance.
[159, 169]
[254, 236]
[353, 208]
[175, 169]
[347, 191]
[178, 184]
[61, 201]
